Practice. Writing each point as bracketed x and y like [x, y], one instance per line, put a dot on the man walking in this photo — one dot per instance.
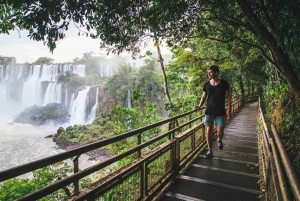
[215, 91]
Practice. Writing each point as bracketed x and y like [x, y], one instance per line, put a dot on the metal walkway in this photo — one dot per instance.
[233, 173]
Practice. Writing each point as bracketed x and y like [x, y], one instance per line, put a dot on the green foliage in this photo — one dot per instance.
[75, 84]
[15, 188]
[283, 111]
[7, 60]
[143, 82]
[6, 23]
[121, 81]
[39, 115]
[44, 60]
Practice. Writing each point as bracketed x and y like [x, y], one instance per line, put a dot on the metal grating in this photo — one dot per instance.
[240, 132]
[222, 177]
[229, 165]
[240, 137]
[207, 191]
[239, 143]
[236, 156]
[237, 148]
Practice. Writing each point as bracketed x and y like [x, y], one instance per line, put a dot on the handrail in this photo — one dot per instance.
[175, 160]
[290, 172]
[28, 167]
[270, 151]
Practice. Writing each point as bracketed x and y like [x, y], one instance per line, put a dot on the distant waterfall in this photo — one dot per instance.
[32, 90]
[128, 105]
[22, 86]
[105, 70]
[93, 112]
[66, 98]
[1, 72]
[78, 112]
[128, 99]
[53, 94]
[71, 103]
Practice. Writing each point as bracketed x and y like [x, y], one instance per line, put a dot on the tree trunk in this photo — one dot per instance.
[282, 60]
[161, 61]
[242, 88]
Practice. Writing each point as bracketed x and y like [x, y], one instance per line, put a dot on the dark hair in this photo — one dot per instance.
[214, 68]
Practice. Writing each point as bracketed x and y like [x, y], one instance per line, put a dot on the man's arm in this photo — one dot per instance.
[202, 101]
[229, 103]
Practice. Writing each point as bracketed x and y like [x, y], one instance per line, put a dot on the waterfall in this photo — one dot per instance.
[93, 112]
[78, 112]
[49, 73]
[22, 86]
[53, 94]
[71, 102]
[128, 105]
[20, 73]
[128, 99]
[79, 69]
[66, 98]
[105, 70]
[1, 72]
[32, 90]
[12, 72]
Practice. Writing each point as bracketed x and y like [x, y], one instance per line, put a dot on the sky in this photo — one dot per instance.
[24, 49]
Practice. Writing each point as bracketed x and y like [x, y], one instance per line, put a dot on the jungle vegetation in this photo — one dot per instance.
[255, 43]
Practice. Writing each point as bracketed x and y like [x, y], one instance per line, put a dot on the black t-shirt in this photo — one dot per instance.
[216, 98]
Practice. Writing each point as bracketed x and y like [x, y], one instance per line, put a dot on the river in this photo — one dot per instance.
[23, 143]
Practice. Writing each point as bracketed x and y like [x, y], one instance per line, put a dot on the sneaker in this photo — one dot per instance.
[208, 155]
[220, 145]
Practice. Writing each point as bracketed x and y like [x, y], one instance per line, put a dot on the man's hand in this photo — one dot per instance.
[196, 107]
[228, 115]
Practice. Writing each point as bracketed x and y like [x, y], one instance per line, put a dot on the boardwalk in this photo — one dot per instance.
[233, 173]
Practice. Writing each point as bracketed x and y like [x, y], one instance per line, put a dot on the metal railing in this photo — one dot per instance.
[149, 164]
[280, 179]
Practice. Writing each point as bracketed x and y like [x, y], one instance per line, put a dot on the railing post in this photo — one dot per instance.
[177, 157]
[171, 126]
[143, 176]
[174, 160]
[139, 141]
[76, 169]
[193, 140]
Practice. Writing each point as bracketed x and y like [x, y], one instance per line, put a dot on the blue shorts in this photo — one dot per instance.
[209, 120]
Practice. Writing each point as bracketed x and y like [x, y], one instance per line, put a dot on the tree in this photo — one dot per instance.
[271, 27]
[43, 60]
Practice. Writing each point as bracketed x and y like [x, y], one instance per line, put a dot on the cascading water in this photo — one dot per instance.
[128, 105]
[128, 99]
[22, 86]
[32, 90]
[71, 102]
[94, 108]
[53, 93]
[78, 112]
[66, 98]
[105, 70]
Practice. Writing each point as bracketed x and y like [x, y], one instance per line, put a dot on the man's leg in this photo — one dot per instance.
[220, 123]
[220, 132]
[209, 122]
[209, 136]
